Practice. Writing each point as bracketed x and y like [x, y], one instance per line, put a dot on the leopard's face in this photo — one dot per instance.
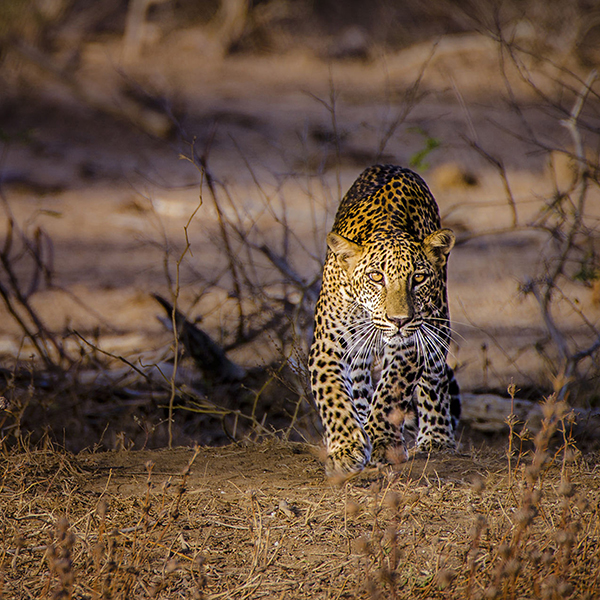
[397, 283]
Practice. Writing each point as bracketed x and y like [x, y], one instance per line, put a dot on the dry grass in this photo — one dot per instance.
[261, 521]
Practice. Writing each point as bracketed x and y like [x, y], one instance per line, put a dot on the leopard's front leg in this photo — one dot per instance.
[392, 400]
[433, 400]
[348, 445]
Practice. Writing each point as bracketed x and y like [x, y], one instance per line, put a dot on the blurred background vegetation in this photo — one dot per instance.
[99, 93]
[330, 28]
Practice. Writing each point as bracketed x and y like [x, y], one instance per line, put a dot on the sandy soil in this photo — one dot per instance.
[251, 521]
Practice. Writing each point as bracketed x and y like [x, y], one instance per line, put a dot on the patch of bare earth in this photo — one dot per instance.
[260, 520]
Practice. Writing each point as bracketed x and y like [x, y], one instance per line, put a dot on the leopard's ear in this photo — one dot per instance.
[346, 252]
[438, 245]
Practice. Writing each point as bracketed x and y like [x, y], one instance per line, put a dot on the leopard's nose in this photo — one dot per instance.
[399, 322]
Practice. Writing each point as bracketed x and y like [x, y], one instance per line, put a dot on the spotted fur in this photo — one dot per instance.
[383, 304]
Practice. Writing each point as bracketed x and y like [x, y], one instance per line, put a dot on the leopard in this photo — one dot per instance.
[382, 333]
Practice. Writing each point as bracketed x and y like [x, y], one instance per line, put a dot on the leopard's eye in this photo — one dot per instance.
[376, 277]
[419, 278]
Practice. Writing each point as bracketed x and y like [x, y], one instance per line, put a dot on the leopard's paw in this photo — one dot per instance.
[389, 454]
[432, 443]
[348, 457]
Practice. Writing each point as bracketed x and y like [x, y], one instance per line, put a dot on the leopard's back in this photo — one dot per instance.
[387, 197]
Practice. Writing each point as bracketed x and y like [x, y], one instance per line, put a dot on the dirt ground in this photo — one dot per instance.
[93, 505]
[259, 520]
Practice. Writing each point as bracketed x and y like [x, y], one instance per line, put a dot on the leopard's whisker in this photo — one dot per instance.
[420, 347]
[365, 350]
[425, 346]
[438, 336]
[357, 338]
[446, 321]
[436, 343]
[451, 320]
[430, 353]
[357, 345]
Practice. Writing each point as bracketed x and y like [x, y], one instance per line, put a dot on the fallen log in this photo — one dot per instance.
[209, 357]
[489, 413]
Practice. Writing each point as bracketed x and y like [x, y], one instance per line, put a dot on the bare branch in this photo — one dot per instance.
[571, 123]
[499, 164]
[202, 163]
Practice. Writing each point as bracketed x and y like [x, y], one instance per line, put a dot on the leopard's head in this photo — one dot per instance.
[397, 281]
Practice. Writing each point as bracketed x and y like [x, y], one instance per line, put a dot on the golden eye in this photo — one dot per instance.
[419, 278]
[376, 276]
